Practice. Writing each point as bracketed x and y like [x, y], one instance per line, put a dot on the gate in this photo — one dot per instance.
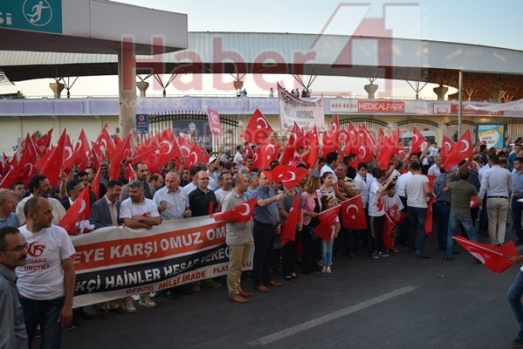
[195, 124]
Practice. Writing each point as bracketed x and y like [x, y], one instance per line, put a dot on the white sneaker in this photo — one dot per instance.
[147, 302]
[324, 269]
[152, 294]
[129, 307]
[136, 297]
[328, 270]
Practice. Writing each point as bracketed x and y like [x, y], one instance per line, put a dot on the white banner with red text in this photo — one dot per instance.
[116, 262]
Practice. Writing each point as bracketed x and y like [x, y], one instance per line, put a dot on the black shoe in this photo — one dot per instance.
[448, 258]
[422, 254]
[80, 312]
[518, 342]
[171, 295]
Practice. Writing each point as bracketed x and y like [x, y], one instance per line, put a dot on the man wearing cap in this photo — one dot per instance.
[226, 156]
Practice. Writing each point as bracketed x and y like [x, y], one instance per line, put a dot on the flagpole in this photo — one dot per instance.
[483, 248]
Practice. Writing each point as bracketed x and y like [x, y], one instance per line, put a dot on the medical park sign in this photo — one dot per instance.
[35, 15]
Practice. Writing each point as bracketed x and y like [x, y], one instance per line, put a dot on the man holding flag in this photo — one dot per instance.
[238, 239]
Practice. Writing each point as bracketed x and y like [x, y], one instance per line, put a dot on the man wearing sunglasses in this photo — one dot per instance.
[13, 253]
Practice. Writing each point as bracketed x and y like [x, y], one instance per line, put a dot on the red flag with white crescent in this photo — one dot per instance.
[258, 129]
[80, 210]
[287, 175]
[327, 223]
[496, 258]
[353, 214]
[288, 231]
[241, 213]
[417, 140]
[446, 147]
[462, 150]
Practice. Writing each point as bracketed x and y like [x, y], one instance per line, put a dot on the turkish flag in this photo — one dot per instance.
[104, 139]
[80, 210]
[68, 153]
[288, 231]
[81, 151]
[352, 142]
[446, 147]
[330, 139]
[494, 258]
[296, 140]
[314, 145]
[158, 150]
[327, 223]
[365, 152]
[241, 213]
[287, 175]
[388, 147]
[24, 169]
[266, 152]
[429, 216]
[120, 153]
[54, 162]
[43, 143]
[417, 140]
[96, 185]
[369, 140]
[388, 228]
[462, 150]
[248, 152]
[214, 122]
[353, 214]
[196, 156]
[185, 147]
[258, 129]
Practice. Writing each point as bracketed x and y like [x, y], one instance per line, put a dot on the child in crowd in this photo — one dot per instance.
[392, 205]
[326, 247]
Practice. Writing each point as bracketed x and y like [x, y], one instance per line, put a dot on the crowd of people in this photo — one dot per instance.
[36, 255]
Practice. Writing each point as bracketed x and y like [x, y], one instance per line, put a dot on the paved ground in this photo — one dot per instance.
[396, 302]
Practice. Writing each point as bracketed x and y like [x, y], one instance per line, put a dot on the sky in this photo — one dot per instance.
[480, 22]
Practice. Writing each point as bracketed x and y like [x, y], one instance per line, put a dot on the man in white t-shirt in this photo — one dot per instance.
[417, 191]
[435, 169]
[46, 283]
[139, 212]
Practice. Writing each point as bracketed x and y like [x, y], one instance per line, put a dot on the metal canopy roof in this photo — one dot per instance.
[484, 68]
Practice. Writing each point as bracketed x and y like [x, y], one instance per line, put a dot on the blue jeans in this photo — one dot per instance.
[517, 208]
[46, 314]
[417, 228]
[514, 298]
[466, 222]
[326, 252]
[442, 212]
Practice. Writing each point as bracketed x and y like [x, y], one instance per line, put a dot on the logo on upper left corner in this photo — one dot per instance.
[38, 12]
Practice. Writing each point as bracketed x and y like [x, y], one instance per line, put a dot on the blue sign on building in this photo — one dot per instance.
[142, 123]
[35, 15]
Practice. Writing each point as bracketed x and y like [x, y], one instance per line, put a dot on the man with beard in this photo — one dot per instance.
[13, 253]
[39, 186]
[46, 283]
[141, 171]
[139, 212]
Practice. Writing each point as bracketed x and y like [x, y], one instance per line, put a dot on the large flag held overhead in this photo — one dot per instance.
[53, 164]
[266, 152]
[417, 140]
[446, 147]
[288, 231]
[327, 223]
[241, 213]
[495, 258]
[258, 128]
[214, 122]
[287, 175]
[462, 150]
